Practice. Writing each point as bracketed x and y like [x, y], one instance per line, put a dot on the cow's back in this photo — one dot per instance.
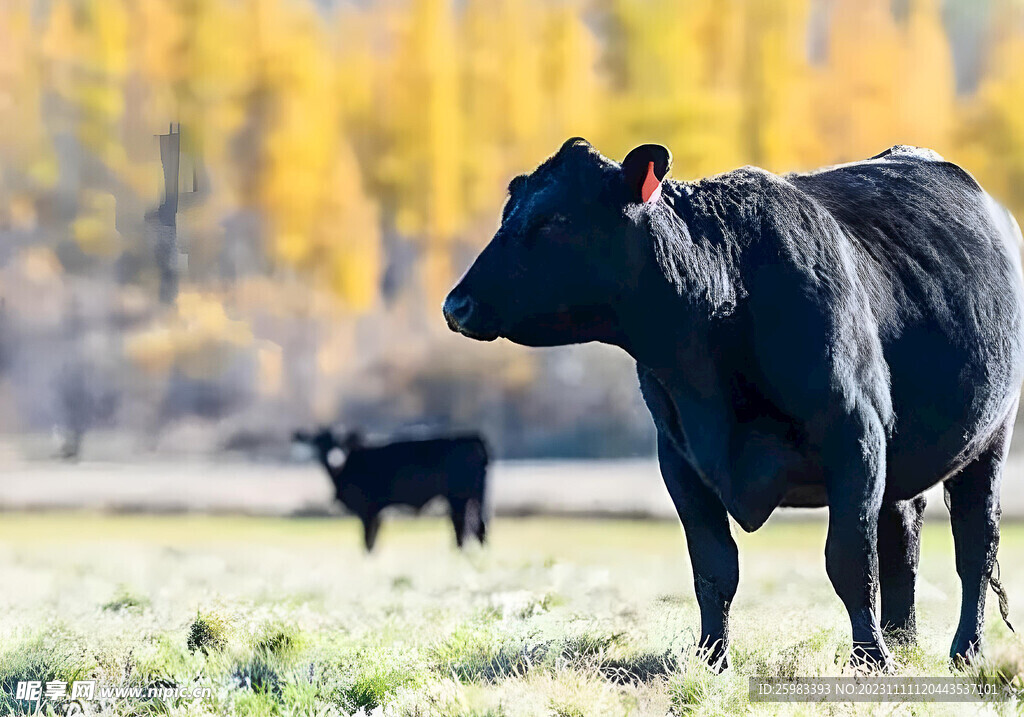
[940, 261]
[414, 472]
[931, 241]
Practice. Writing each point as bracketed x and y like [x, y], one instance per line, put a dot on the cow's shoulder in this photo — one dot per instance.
[764, 217]
[743, 188]
[801, 288]
[734, 207]
[750, 227]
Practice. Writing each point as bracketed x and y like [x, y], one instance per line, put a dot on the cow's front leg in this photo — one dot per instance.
[854, 460]
[713, 553]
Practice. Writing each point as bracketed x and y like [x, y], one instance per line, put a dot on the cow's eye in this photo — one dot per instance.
[540, 230]
[553, 225]
[544, 230]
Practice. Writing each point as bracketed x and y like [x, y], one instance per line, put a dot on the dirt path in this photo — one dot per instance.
[613, 488]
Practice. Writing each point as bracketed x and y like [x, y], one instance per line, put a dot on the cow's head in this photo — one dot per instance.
[351, 441]
[325, 444]
[570, 245]
[321, 441]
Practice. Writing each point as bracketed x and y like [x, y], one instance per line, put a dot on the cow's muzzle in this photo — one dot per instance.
[466, 316]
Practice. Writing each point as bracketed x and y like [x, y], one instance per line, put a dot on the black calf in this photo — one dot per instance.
[367, 479]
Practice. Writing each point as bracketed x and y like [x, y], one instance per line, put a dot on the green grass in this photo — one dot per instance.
[555, 617]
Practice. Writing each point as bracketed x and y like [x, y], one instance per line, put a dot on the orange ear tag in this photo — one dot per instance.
[651, 189]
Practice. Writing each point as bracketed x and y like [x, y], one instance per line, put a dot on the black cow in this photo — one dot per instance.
[844, 338]
[368, 479]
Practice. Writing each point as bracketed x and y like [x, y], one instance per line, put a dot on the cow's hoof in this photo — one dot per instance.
[716, 656]
[899, 636]
[872, 657]
[720, 664]
[964, 652]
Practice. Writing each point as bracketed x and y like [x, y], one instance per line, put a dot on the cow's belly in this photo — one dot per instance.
[805, 495]
[415, 489]
[948, 404]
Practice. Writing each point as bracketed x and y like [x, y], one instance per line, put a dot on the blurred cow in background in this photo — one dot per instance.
[368, 479]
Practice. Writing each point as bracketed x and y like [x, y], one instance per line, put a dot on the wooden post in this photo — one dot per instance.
[164, 221]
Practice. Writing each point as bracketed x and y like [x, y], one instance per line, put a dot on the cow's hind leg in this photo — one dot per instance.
[899, 547]
[371, 526]
[480, 523]
[459, 513]
[974, 515]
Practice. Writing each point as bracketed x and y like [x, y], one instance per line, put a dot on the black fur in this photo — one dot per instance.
[411, 473]
[847, 337]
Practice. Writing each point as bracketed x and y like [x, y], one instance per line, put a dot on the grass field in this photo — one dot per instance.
[555, 617]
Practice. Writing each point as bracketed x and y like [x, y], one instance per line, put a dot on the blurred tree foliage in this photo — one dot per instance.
[335, 144]
[338, 126]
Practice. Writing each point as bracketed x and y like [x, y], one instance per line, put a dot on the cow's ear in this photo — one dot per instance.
[644, 168]
[352, 439]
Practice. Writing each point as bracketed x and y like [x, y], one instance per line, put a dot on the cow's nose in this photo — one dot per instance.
[457, 310]
[466, 316]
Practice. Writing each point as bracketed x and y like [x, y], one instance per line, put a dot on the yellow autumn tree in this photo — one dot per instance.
[858, 86]
[992, 127]
[84, 53]
[573, 89]
[668, 86]
[416, 162]
[343, 132]
[776, 86]
[27, 153]
[925, 102]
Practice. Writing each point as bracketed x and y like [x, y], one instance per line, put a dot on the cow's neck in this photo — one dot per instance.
[674, 340]
[325, 461]
[661, 328]
[689, 282]
[696, 254]
[681, 327]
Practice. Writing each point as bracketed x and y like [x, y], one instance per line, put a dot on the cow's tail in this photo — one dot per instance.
[483, 451]
[993, 581]
[1000, 591]
[478, 505]
[485, 458]
[997, 586]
